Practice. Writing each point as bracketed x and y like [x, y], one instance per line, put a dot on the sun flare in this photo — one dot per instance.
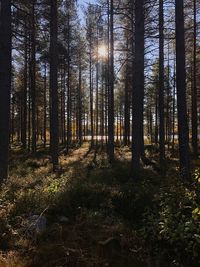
[102, 51]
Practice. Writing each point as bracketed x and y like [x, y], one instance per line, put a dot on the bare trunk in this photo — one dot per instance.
[181, 93]
[5, 84]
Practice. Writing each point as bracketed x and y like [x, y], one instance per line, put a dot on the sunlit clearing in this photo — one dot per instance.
[102, 51]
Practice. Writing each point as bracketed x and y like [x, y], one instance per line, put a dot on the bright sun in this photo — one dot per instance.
[102, 51]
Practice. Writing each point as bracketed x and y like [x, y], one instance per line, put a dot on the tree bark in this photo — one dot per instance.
[5, 84]
[24, 97]
[181, 92]
[161, 85]
[33, 78]
[138, 88]
[54, 84]
[111, 88]
[194, 91]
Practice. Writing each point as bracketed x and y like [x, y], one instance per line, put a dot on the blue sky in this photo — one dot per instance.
[83, 3]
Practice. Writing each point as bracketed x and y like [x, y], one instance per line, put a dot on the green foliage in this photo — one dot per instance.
[196, 175]
[163, 213]
[174, 223]
[132, 201]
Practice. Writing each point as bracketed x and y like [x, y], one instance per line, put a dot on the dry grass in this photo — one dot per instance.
[100, 202]
[12, 259]
[84, 240]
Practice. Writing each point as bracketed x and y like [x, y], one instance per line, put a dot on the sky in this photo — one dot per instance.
[83, 3]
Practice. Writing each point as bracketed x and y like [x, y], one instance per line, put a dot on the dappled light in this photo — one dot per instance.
[99, 133]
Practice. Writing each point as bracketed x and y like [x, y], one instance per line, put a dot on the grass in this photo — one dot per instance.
[110, 220]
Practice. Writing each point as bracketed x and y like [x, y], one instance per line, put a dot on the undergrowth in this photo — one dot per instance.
[109, 219]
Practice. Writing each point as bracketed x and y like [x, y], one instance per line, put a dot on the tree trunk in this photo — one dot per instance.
[138, 88]
[24, 96]
[111, 90]
[45, 105]
[33, 78]
[126, 109]
[54, 84]
[161, 85]
[91, 98]
[80, 104]
[194, 92]
[5, 84]
[181, 92]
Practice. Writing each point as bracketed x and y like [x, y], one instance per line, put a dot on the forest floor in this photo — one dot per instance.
[96, 215]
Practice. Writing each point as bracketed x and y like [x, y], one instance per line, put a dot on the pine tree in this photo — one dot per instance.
[54, 127]
[181, 92]
[5, 84]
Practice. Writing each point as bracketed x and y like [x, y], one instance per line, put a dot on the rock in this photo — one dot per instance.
[37, 224]
[63, 219]
[110, 221]
[108, 241]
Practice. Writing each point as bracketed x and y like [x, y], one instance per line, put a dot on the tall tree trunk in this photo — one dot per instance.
[126, 109]
[91, 97]
[102, 105]
[24, 96]
[68, 85]
[156, 116]
[161, 85]
[97, 92]
[62, 101]
[68, 107]
[64, 104]
[194, 91]
[174, 106]
[181, 92]
[33, 78]
[12, 126]
[54, 84]
[29, 95]
[45, 105]
[138, 89]
[5, 84]
[80, 104]
[111, 89]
